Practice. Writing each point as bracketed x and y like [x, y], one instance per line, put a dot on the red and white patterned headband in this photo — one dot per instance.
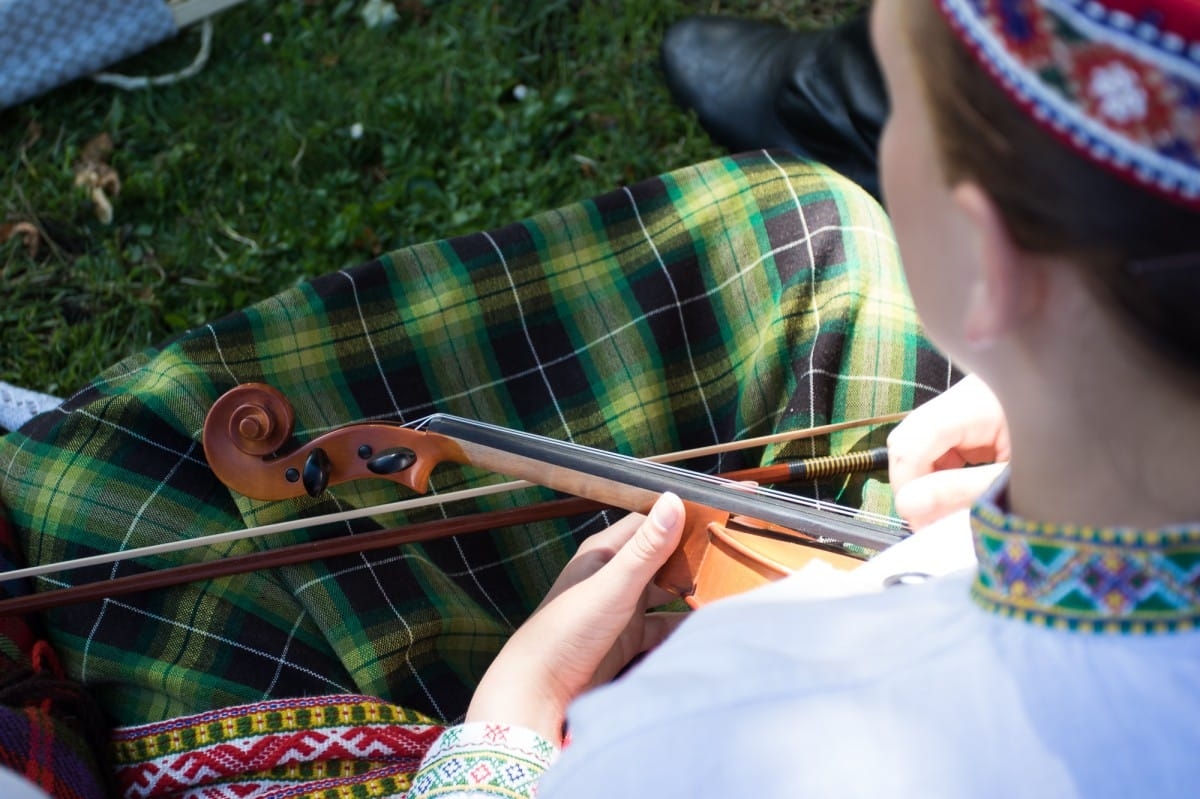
[1117, 80]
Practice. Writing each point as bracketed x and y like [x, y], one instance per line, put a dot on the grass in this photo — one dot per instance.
[310, 142]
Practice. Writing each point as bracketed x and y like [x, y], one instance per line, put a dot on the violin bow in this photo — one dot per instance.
[789, 471]
[411, 533]
[365, 542]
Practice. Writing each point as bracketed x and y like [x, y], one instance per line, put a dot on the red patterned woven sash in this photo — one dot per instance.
[351, 745]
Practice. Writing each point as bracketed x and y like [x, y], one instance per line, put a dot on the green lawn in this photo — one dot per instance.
[311, 142]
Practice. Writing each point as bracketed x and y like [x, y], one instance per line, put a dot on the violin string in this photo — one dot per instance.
[412, 503]
[733, 446]
[399, 506]
[666, 468]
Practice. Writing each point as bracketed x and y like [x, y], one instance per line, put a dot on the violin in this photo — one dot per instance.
[736, 537]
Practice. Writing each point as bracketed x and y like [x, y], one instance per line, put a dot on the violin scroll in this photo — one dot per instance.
[258, 419]
[248, 431]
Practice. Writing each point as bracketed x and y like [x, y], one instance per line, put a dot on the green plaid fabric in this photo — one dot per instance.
[735, 298]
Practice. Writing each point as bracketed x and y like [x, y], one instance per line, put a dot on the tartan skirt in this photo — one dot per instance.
[735, 298]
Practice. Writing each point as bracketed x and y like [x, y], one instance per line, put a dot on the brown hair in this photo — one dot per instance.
[1053, 200]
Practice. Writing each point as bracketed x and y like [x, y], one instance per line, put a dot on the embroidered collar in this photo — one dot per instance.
[1102, 580]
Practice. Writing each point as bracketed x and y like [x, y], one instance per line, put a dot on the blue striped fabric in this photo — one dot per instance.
[46, 43]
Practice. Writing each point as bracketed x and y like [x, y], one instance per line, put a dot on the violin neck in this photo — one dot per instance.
[633, 484]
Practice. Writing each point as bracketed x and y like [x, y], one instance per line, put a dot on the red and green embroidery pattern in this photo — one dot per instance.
[331, 746]
[485, 759]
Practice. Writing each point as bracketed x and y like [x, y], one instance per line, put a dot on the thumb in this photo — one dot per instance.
[927, 499]
[634, 565]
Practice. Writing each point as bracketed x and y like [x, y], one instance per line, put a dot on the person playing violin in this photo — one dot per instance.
[1055, 264]
[750, 295]
[1040, 167]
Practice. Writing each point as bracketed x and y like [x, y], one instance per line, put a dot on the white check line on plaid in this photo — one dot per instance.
[212, 331]
[231, 642]
[678, 305]
[541, 369]
[516, 554]
[893, 381]
[283, 655]
[408, 631]
[141, 511]
[813, 293]
[366, 328]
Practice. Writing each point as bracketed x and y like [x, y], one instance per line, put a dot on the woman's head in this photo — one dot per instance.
[1084, 136]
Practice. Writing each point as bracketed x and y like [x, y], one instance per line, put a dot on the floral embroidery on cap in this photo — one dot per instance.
[1122, 93]
[1025, 30]
[1108, 77]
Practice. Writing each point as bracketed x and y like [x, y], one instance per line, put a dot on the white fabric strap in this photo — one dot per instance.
[19, 405]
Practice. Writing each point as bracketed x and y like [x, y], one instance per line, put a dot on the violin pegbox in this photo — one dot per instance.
[249, 446]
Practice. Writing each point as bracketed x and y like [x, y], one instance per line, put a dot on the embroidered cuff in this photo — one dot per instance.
[484, 759]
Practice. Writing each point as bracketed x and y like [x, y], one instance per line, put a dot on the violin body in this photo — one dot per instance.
[735, 557]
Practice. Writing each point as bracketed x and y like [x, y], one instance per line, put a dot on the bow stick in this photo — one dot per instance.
[789, 471]
[365, 542]
[253, 423]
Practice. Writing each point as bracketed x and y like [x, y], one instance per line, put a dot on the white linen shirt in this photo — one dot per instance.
[830, 683]
[910, 691]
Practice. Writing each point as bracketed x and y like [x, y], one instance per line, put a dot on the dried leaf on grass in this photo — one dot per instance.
[30, 235]
[94, 173]
[33, 133]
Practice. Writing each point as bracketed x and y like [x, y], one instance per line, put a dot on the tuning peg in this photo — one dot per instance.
[317, 468]
[393, 460]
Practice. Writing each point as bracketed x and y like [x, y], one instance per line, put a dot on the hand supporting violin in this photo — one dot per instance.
[933, 452]
[591, 624]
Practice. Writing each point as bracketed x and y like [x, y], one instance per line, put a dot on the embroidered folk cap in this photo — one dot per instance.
[1116, 80]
